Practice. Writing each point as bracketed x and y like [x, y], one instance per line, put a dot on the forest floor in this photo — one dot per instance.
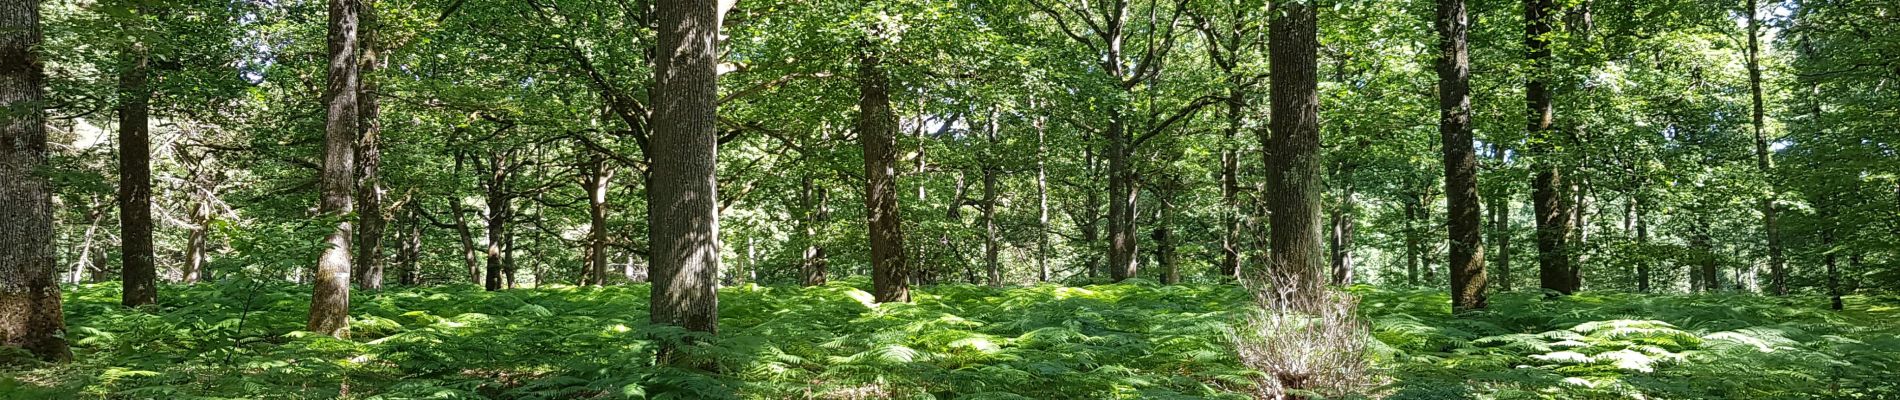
[1129, 340]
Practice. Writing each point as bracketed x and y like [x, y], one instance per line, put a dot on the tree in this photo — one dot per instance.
[30, 315]
[368, 268]
[1548, 200]
[330, 305]
[1293, 159]
[1771, 226]
[135, 171]
[1465, 225]
[685, 235]
[877, 133]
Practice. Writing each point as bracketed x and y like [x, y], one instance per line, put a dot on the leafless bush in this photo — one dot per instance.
[1307, 344]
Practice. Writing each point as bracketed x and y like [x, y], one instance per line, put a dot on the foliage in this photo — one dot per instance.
[1130, 340]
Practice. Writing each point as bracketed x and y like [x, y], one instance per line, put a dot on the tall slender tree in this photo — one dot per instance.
[30, 315]
[684, 227]
[1547, 191]
[1771, 226]
[139, 272]
[1293, 158]
[368, 268]
[330, 304]
[877, 132]
[1465, 225]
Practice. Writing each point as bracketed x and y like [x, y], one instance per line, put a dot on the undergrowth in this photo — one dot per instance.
[1131, 340]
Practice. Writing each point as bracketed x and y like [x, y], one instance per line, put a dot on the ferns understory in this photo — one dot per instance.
[1131, 340]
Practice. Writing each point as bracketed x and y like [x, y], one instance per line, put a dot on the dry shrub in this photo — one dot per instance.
[1309, 344]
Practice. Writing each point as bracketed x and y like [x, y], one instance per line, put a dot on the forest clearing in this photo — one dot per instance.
[949, 199]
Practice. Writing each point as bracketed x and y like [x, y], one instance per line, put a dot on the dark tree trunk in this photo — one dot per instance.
[330, 305]
[1412, 244]
[991, 243]
[1042, 202]
[411, 254]
[135, 178]
[1122, 194]
[1709, 277]
[816, 203]
[685, 239]
[1163, 236]
[1501, 224]
[1463, 219]
[500, 211]
[1230, 241]
[877, 132]
[1293, 159]
[1777, 259]
[1087, 219]
[1547, 199]
[1642, 245]
[30, 315]
[369, 158]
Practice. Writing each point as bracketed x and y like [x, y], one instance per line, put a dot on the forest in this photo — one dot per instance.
[949, 199]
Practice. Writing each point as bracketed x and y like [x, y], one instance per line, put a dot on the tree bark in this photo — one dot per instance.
[369, 157]
[1547, 199]
[139, 273]
[816, 201]
[1642, 244]
[1833, 271]
[1501, 223]
[1764, 161]
[1464, 222]
[1343, 228]
[500, 211]
[1293, 159]
[330, 305]
[991, 244]
[877, 133]
[685, 238]
[595, 183]
[1042, 201]
[411, 254]
[30, 315]
[1122, 195]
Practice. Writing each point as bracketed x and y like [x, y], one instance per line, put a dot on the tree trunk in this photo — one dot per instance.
[1547, 199]
[1230, 241]
[1164, 244]
[1833, 271]
[1777, 259]
[369, 158]
[595, 183]
[1412, 245]
[1463, 220]
[1293, 160]
[30, 315]
[816, 201]
[86, 263]
[1642, 244]
[1091, 202]
[193, 269]
[500, 210]
[1704, 246]
[1122, 194]
[877, 132]
[330, 305]
[1501, 224]
[1042, 202]
[685, 240]
[990, 242]
[1343, 228]
[135, 179]
[411, 254]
